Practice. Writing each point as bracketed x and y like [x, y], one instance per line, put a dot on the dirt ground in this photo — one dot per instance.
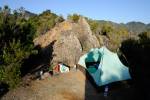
[68, 86]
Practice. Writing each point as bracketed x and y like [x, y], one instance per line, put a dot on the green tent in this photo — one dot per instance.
[104, 66]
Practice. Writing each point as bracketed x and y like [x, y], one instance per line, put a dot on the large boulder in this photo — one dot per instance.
[71, 40]
[67, 49]
[84, 34]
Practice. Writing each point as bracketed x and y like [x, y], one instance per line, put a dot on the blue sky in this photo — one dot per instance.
[113, 10]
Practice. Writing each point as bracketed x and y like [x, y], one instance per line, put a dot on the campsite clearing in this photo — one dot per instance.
[68, 86]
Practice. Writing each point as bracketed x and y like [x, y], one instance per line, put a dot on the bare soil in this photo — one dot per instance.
[68, 86]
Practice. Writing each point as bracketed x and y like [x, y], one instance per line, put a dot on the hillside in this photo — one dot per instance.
[133, 27]
[31, 43]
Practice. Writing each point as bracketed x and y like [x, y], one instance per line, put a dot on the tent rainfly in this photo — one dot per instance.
[104, 66]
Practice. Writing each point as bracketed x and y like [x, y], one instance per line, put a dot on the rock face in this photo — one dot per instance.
[67, 49]
[71, 40]
[85, 36]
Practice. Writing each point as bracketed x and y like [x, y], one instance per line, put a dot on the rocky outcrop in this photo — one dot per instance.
[67, 49]
[85, 36]
[71, 40]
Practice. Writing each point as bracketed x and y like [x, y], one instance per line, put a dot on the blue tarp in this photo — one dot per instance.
[104, 66]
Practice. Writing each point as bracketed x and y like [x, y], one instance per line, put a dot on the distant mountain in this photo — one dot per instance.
[28, 14]
[148, 26]
[136, 27]
[133, 27]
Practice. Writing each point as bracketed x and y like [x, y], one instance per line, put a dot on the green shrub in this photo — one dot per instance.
[93, 25]
[12, 57]
[74, 17]
[16, 36]
[59, 19]
[10, 74]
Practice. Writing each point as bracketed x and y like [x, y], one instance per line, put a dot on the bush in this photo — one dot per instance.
[16, 36]
[10, 74]
[12, 57]
[45, 21]
[59, 19]
[74, 17]
[93, 25]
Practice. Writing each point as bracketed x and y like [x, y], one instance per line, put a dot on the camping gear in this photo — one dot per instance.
[45, 75]
[74, 68]
[104, 66]
[106, 91]
[60, 68]
[41, 73]
[63, 68]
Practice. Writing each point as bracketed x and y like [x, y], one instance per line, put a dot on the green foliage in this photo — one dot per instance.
[137, 54]
[10, 74]
[12, 59]
[16, 36]
[144, 35]
[50, 68]
[59, 19]
[14, 53]
[106, 28]
[45, 21]
[112, 31]
[16, 39]
[93, 25]
[74, 17]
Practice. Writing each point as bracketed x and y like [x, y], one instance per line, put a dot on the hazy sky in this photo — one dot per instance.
[113, 10]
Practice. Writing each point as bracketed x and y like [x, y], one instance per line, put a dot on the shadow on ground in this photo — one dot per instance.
[39, 61]
[34, 64]
[137, 53]
[3, 89]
